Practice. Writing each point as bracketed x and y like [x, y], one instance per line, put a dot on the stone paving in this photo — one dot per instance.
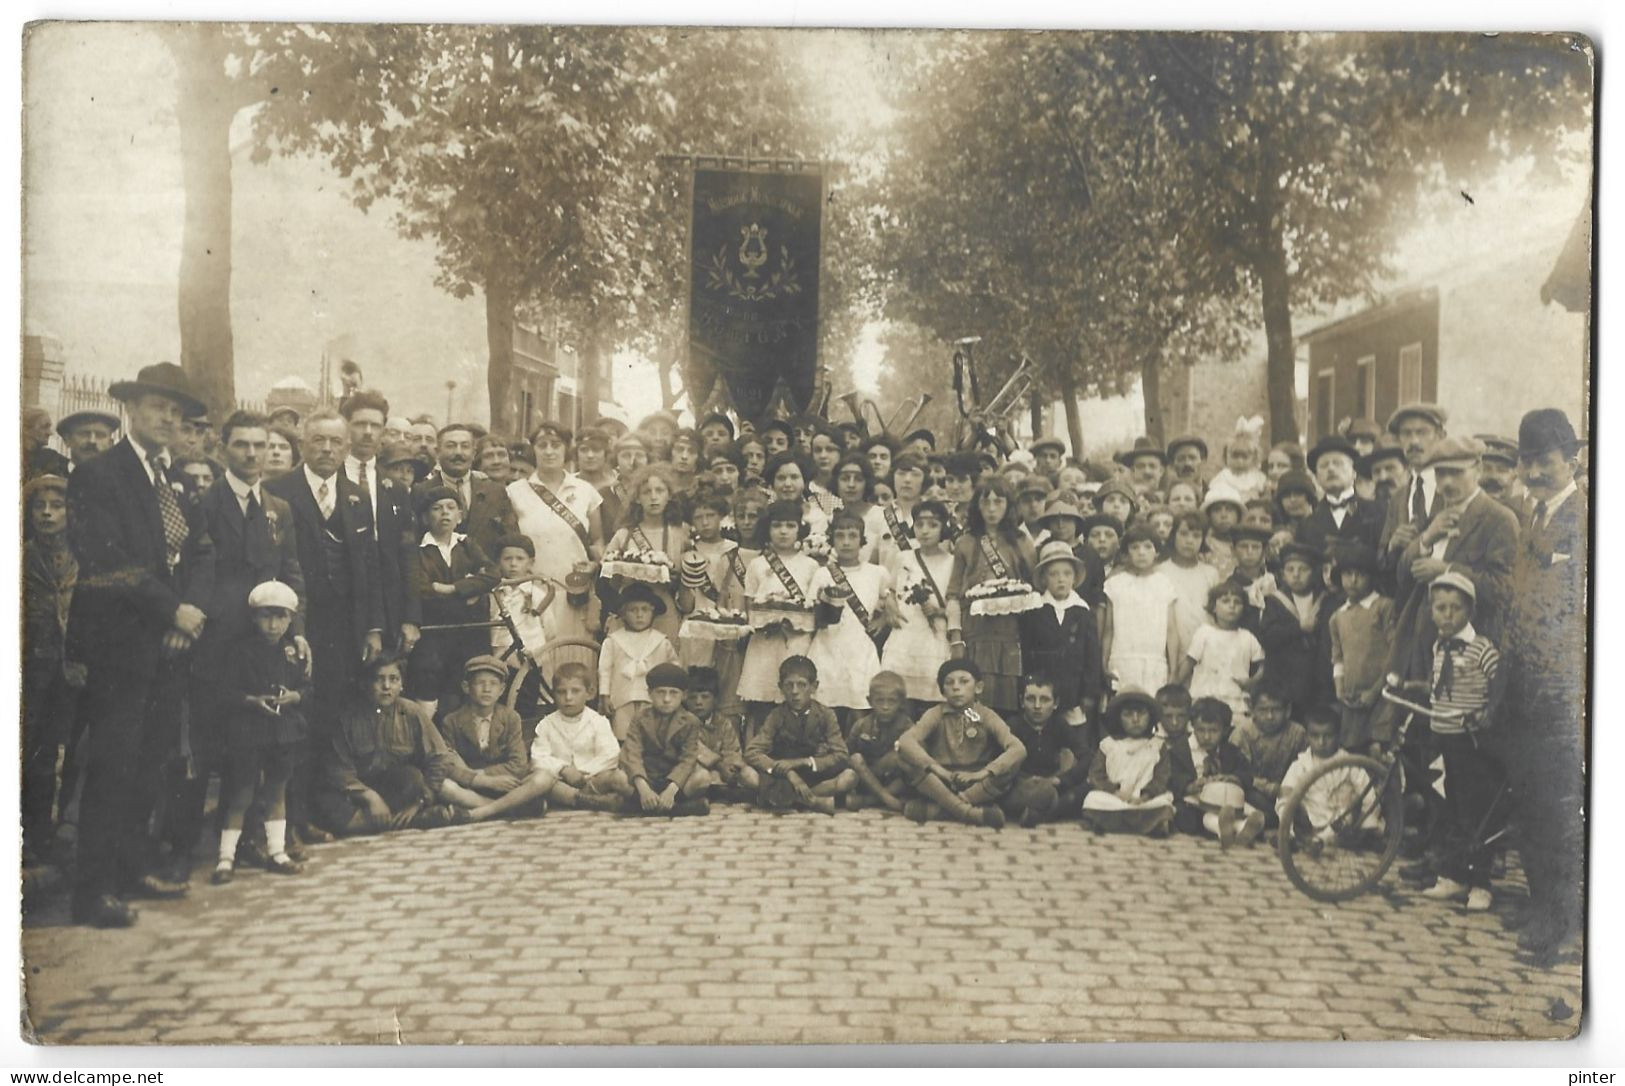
[581, 928]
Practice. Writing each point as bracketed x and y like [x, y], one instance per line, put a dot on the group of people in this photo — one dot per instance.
[346, 617]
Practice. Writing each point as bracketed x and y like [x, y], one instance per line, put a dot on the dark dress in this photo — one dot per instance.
[255, 666]
[993, 642]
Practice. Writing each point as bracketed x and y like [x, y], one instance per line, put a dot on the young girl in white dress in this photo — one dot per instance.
[1192, 578]
[845, 652]
[780, 570]
[1128, 780]
[1243, 457]
[653, 521]
[1142, 629]
[917, 648]
[1224, 661]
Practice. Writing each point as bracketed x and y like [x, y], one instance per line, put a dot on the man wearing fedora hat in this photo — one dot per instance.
[87, 435]
[1186, 455]
[145, 572]
[1146, 463]
[1545, 652]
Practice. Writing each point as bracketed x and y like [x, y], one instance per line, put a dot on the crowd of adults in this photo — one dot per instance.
[171, 520]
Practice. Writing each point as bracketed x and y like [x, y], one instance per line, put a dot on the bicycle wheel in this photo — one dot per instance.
[1359, 803]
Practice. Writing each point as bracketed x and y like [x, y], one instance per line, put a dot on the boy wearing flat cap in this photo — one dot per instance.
[489, 772]
[450, 578]
[661, 752]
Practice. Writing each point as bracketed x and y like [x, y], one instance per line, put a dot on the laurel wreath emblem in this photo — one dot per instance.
[783, 281]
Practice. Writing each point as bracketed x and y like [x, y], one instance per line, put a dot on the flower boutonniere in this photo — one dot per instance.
[355, 499]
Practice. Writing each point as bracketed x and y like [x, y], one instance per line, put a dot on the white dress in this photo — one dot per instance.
[916, 649]
[1130, 765]
[558, 547]
[844, 653]
[1140, 629]
[1192, 583]
[759, 676]
[1224, 658]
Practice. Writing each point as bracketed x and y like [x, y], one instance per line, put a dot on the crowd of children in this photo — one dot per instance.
[807, 616]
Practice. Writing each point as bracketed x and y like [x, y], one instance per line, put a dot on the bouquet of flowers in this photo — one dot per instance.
[710, 622]
[778, 609]
[637, 564]
[922, 597]
[1003, 596]
[817, 548]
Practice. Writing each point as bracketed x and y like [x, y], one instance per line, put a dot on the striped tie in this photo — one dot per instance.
[169, 508]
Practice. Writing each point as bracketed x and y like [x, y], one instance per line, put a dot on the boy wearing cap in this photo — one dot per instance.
[1049, 453]
[489, 772]
[961, 755]
[1064, 523]
[1341, 514]
[51, 682]
[1292, 622]
[798, 751]
[1061, 638]
[1031, 497]
[1466, 685]
[264, 690]
[1362, 634]
[660, 754]
[450, 578]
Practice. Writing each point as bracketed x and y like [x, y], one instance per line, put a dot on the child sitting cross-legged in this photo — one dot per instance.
[961, 755]
[490, 772]
[720, 754]
[576, 748]
[873, 743]
[1270, 740]
[798, 751]
[1053, 777]
[1128, 780]
[661, 752]
[1214, 799]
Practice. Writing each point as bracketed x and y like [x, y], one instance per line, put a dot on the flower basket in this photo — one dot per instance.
[1004, 596]
[770, 613]
[650, 567]
[716, 624]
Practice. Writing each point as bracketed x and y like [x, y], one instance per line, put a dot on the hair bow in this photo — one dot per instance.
[1254, 425]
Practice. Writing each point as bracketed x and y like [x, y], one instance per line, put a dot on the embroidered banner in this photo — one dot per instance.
[753, 286]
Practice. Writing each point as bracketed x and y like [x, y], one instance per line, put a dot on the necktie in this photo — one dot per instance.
[361, 479]
[169, 509]
[1419, 501]
[256, 537]
[1448, 647]
[1540, 514]
[324, 500]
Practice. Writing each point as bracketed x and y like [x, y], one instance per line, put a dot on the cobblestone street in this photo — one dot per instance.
[741, 927]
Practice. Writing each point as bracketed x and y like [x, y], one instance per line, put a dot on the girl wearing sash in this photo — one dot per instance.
[919, 647]
[781, 570]
[559, 512]
[844, 652]
[788, 475]
[991, 549]
[653, 522]
[897, 518]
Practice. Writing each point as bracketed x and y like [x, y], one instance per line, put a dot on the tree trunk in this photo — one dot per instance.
[499, 302]
[207, 100]
[1276, 287]
[668, 398]
[1069, 401]
[1035, 410]
[591, 367]
[1151, 391]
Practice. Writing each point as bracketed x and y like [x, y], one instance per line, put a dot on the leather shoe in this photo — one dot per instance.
[311, 834]
[157, 888]
[284, 867]
[251, 853]
[106, 911]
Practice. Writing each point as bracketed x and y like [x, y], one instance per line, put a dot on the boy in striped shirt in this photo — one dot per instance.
[1467, 682]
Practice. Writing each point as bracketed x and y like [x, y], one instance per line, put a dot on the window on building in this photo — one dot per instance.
[527, 416]
[1365, 388]
[1325, 403]
[544, 395]
[1410, 373]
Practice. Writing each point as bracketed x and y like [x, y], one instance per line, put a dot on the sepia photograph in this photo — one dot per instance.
[665, 536]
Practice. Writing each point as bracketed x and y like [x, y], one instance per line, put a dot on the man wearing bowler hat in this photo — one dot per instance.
[1340, 515]
[145, 570]
[1545, 650]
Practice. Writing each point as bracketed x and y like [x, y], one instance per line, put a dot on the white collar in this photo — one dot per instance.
[1466, 633]
[1368, 601]
[1073, 600]
[315, 481]
[430, 541]
[1341, 498]
[241, 489]
[1558, 499]
[351, 463]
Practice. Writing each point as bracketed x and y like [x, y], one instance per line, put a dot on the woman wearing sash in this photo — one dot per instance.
[559, 511]
[991, 549]
[654, 522]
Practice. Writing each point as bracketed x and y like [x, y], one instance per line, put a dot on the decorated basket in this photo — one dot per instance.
[1005, 596]
[798, 616]
[650, 567]
[714, 624]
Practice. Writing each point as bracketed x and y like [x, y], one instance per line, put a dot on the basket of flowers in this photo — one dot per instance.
[926, 600]
[778, 609]
[710, 622]
[1003, 596]
[635, 563]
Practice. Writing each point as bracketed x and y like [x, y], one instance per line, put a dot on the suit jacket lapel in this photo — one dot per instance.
[141, 484]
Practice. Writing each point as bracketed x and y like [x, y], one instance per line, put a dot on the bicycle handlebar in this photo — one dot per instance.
[1390, 694]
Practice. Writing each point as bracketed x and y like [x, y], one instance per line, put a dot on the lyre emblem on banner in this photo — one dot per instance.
[753, 257]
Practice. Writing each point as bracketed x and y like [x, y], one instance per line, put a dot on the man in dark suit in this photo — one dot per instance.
[395, 527]
[253, 535]
[1545, 652]
[487, 514]
[1417, 427]
[145, 575]
[1340, 515]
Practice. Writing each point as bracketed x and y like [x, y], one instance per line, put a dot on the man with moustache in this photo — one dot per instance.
[395, 526]
[1340, 515]
[1186, 455]
[1417, 427]
[1499, 476]
[487, 514]
[1545, 652]
[87, 434]
[1388, 471]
